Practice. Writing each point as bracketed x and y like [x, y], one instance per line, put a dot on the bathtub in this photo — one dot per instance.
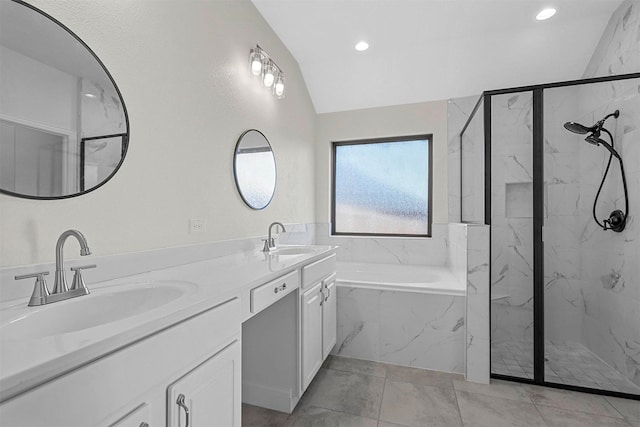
[402, 278]
[401, 314]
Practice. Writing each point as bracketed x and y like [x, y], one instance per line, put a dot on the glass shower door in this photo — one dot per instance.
[512, 275]
[591, 275]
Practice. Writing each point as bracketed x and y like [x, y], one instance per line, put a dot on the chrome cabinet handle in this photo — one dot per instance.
[329, 292]
[322, 299]
[182, 405]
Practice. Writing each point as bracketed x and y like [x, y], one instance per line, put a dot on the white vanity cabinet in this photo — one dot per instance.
[318, 316]
[198, 356]
[209, 395]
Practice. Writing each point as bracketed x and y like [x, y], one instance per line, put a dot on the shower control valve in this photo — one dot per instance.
[616, 221]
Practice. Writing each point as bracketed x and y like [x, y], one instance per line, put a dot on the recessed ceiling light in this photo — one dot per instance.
[545, 14]
[362, 46]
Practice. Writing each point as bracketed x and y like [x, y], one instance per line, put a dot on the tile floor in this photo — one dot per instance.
[357, 393]
[567, 363]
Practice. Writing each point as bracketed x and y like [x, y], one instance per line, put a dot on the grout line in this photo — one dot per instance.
[455, 394]
[544, 420]
[384, 387]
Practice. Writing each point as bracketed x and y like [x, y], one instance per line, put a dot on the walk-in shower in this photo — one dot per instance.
[565, 290]
[617, 219]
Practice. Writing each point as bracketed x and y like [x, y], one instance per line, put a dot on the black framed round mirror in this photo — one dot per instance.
[64, 128]
[254, 169]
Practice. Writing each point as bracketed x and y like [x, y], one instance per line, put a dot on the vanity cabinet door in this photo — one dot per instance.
[312, 301]
[329, 316]
[209, 395]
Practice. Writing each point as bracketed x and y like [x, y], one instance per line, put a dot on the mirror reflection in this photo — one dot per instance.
[63, 125]
[254, 167]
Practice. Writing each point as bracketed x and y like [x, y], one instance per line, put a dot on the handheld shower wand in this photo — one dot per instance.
[617, 219]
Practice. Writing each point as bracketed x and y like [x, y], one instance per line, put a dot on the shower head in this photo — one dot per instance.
[578, 128]
[596, 140]
[582, 129]
[593, 139]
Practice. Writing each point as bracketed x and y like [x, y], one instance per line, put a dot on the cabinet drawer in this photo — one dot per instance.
[316, 271]
[265, 295]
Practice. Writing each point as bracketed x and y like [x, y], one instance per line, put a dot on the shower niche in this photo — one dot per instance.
[555, 171]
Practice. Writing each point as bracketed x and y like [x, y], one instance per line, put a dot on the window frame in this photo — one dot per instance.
[335, 144]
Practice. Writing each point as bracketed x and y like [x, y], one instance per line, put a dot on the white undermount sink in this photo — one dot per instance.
[100, 307]
[297, 250]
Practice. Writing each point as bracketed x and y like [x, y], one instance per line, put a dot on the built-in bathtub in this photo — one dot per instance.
[410, 315]
[402, 278]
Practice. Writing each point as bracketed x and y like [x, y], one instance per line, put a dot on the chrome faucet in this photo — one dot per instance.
[61, 291]
[60, 283]
[270, 242]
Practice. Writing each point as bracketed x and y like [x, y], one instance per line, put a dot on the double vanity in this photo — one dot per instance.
[179, 346]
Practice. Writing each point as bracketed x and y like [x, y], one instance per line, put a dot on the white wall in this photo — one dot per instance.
[408, 119]
[35, 92]
[182, 69]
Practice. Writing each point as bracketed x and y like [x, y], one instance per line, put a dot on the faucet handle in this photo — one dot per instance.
[40, 290]
[78, 281]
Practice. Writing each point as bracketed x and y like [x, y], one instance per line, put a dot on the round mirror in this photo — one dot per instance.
[64, 129]
[254, 168]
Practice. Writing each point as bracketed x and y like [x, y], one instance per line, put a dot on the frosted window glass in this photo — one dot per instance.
[382, 188]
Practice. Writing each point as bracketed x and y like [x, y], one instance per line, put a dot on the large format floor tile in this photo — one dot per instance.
[358, 393]
[320, 417]
[572, 401]
[347, 392]
[356, 366]
[560, 418]
[422, 376]
[479, 410]
[627, 408]
[416, 405]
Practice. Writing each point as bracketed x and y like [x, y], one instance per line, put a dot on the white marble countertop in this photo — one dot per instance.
[26, 363]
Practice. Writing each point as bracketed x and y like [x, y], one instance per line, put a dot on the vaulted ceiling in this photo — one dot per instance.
[424, 50]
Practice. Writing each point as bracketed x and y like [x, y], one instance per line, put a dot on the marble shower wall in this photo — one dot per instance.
[618, 51]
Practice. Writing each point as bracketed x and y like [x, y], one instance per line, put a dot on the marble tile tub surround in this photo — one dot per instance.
[477, 327]
[389, 250]
[127, 264]
[404, 328]
[383, 395]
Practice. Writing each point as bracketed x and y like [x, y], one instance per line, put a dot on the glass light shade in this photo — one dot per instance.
[278, 88]
[269, 74]
[255, 61]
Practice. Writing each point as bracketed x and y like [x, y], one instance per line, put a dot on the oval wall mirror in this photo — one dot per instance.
[254, 168]
[64, 129]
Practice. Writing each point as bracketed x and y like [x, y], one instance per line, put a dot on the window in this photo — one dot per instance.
[382, 187]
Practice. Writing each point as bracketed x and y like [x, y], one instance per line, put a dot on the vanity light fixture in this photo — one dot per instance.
[545, 14]
[263, 66]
